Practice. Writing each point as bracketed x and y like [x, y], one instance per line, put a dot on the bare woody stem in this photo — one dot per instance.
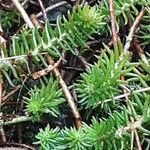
[132, 120]
[23, 13]
[45, 71]
[6, 97]
[51, 8]
[112, 20]
[67, 93]
[114, 34]
[132, 30]
[2, 132]
[77, 3]
[43, 9]
[1, 90]
[16, 120]
[126, 94]
[126, 48]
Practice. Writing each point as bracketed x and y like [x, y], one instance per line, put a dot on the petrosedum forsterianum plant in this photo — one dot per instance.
[68, 34]
[102, 80]
[125, 11]
[86, 21]
[48, 139]
[142, 71]
[74, 139]
[44, 100]
[144, 29]
[99, 135]
[9, 18]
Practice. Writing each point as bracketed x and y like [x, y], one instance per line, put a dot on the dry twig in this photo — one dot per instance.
[126, 94]
[132, 30]
[16, 120]
[20, 56]
[1, 90]
[44, 72]
[66, 92]
[114, 34]
[5, 98]
[126, 48]
[43, 9]
[51, 8]
[2, 132]
[23, 13]
[77, 3]
[112, 20]
[34, 21]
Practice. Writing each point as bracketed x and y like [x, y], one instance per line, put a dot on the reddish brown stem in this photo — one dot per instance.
[44, 72]
[66, 92]
[132, 30]
[5, 98]
[112, 20]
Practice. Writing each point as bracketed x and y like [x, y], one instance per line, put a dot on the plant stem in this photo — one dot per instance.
[135, 130]
[112, 20]
[5, 98]
[23, 13]
[66, 92]
[44, 72]
[126, 94]
[17, 120]
[2, 132]
[52, 7]
[43, 9]
[132, 30]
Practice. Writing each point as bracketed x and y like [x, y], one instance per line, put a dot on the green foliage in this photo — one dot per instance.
[104, 133]
[140, 106]
[67, 36]
[82, 24]
[48, 138]
[144, 31]
[145, 68]
[8, 18]
[44, 100]
[74, 139]
[97, 86]
[125, 11]
[99, 135]
[141, 71]
[102, 80]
